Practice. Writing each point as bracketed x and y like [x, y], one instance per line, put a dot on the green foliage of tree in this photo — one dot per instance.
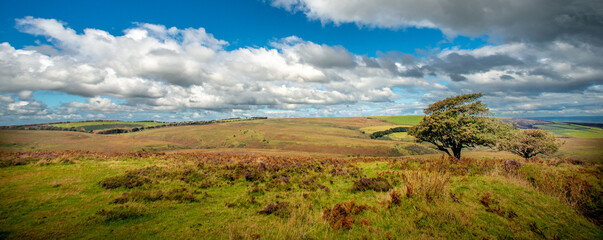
[458, 122]
[530, 142]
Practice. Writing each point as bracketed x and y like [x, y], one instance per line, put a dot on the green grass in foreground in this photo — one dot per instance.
[75, 195]
[572, 130]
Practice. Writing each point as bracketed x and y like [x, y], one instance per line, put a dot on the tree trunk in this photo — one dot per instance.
[457, 153]
[443, 149]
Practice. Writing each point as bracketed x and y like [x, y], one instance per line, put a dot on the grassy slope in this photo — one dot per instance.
[336, 136]
[590, 149]
[23, 140]
[65, 201]
[298, 137]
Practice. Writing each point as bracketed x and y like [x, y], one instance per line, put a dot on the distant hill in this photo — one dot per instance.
[572, 119]
[525, 123]
[560, 129]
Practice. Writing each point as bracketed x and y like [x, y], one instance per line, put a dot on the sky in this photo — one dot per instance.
[202, 60]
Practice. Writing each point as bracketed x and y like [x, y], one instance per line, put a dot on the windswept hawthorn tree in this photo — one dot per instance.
[458, 122]
[530, 142]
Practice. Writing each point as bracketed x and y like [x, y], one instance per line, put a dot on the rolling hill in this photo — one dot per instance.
[337, 137]
[298, 178]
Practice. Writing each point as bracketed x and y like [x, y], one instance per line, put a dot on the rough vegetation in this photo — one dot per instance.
[124, 195]
[378, 184]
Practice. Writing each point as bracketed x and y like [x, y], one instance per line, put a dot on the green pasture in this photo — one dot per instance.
[569, 130]
[402, 120]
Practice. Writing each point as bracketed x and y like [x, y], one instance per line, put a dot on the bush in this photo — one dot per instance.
[396, 198]
[378, 184]
[511, 166]
[280, 209]
[341, 215]
[530, 142]
[253, 175]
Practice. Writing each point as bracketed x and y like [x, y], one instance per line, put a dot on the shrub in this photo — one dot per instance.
[280, 209]
[530, 142]
[308, 184]
[511, 166]
[378, 184]
[396, 198]
[253, 175]
[341, 215]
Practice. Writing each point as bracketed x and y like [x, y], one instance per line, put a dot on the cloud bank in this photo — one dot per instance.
[529, 20]
[189, 73]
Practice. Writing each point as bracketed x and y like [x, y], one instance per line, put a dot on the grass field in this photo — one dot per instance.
[57, 195]
[572, 130]
[314, 178]
[402, 120]
[401, 136]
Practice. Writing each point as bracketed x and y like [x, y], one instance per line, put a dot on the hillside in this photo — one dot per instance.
[336, 137]
[339, 136]
[299, 178]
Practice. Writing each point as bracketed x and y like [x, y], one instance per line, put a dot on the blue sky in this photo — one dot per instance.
[240, 22]
[199, 60]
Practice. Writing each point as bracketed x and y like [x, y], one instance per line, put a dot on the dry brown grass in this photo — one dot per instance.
[309, 136]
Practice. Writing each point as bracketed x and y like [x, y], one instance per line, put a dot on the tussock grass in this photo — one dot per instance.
[240, 196]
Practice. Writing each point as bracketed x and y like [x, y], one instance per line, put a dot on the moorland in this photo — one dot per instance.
[297, 178]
